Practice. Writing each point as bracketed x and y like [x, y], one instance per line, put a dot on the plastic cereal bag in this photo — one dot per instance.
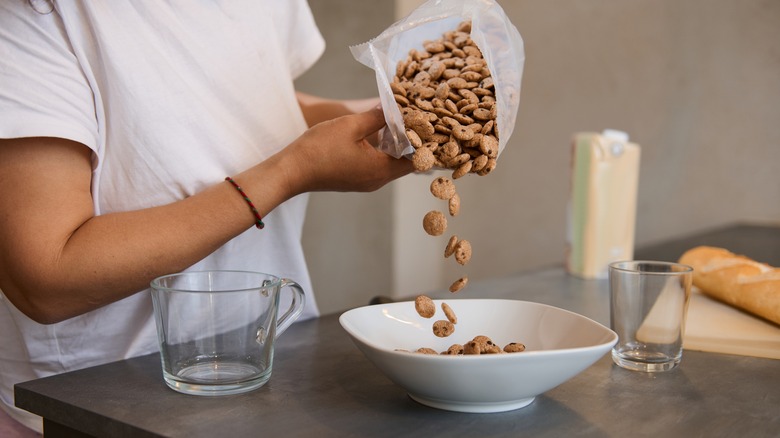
[410, 43]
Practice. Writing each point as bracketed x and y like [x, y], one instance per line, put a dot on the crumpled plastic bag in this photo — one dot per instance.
[491, 30]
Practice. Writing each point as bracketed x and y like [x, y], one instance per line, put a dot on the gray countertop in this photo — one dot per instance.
[323, 386]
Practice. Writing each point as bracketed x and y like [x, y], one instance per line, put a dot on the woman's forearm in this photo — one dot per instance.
[61, 260]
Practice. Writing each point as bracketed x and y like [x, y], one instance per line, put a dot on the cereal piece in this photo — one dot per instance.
[431, 145]
[438, 138]
[434, 47]
[457, 82]
[492, 349]
[476, 127]
[489, 146]
[414, 139]
[400, 68]
[454, 205]
[459, 284]
[423, 104]
[481, 114]
[479, 163]
[462, 133]
[488, 102]
[436, 69]
[423, 78]
[450, 249]
[442, 90]
[471, 347]
[460, 54]
[467, 94]
[462, 118]
[472, 51]
[420, 90]
[418, 121]
[419, 55]
[443, 188]
[487, 127]
[424, 306]
[435, 223]
[411, 69]
[514, 347]
[462, 170]
[486, 345]
[449, 150]
[468, 108]
[463, 252]
[474, 153]
[473, 143]
[426, 350]
[452, 107]
[398, 89]
[482, 339]
[401, 100]
[449, 121]
[471, 76]
[442, 128]
[443, 328]
[442, 112]
[489, 167]
[481, 92]
[454, 350]
[449, 313]
[458, 160]
[423, 159]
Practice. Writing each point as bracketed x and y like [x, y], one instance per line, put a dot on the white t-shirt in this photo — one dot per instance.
[171, 97]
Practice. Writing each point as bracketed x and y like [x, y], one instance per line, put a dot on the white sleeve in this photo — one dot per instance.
[299, 34]
[44, 92]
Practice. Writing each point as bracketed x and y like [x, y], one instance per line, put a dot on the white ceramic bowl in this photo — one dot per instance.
[559, 345]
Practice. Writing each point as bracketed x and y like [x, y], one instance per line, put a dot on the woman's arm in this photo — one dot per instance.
[59, 260]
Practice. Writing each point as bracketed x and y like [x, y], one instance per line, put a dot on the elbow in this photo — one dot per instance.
[46, 316]
[34, 306]
[39, 313]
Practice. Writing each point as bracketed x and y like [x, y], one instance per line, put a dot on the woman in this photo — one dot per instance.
[119, 124]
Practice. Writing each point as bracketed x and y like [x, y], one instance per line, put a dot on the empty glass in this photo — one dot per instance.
[217, 329]
[649, 302]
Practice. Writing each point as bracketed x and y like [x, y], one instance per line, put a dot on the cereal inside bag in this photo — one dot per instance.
[488, 28]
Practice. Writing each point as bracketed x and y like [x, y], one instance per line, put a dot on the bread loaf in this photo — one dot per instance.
[736, 280]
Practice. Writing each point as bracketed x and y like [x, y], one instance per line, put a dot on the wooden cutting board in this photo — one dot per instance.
[719, 328]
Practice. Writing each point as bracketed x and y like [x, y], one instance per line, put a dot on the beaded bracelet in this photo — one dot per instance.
[259, 220]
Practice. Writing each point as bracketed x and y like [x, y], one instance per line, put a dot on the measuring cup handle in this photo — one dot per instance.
[296, 306]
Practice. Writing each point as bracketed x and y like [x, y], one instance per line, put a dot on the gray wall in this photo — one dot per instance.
[696, 83]
[346, 236]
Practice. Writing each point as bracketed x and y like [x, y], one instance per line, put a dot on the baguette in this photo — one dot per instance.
[736, 280]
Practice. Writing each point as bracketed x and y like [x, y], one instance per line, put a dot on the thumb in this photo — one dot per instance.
[369, 122]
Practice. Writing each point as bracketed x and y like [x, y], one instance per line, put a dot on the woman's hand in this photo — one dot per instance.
[336, 155]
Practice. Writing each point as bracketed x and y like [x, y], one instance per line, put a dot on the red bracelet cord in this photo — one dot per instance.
[258, 220]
